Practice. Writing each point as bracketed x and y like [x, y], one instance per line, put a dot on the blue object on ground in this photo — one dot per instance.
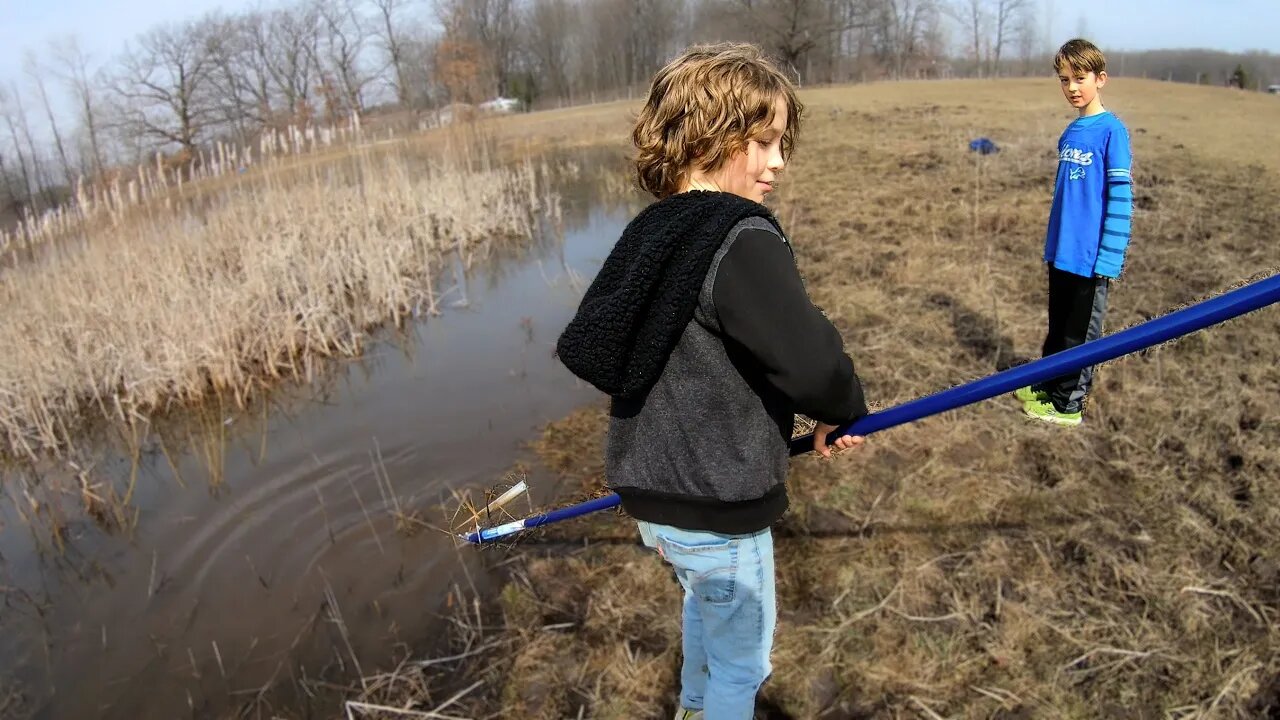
[984, 146]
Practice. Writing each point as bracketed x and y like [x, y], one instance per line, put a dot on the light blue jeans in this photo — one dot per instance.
[729, 615]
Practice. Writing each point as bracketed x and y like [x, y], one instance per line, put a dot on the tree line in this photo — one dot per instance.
[229, 76]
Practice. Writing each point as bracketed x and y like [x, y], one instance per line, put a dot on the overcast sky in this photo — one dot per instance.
[103, 26]
[1233, 25]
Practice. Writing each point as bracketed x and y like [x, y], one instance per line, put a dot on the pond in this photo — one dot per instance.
[301, 540]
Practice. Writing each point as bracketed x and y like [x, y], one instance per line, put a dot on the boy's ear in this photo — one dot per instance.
[1102, 78]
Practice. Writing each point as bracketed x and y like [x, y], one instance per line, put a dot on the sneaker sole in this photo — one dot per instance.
[1062, 422]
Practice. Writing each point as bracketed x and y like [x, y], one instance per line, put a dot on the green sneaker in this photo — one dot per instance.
[1026, 395]
[1041, 410]
[684, 714]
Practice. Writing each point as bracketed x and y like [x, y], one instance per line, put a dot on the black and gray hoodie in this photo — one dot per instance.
[700, 330]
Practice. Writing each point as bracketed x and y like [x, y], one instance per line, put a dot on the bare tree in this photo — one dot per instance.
[463, 68]
[421, 74]
[653, 35]
[393, 43]
[1008, 24]
[28, 189]
[263, 67]
[973, 17]
[343, 34]
[491, 25]
[165, 84]
[792, 29]
[901, 31]
[623, 42]
[40, 182]
[253, 53]
[289, 50]
[12, 202]
[238, 79]
[547, 38]
[74, 73]
[35, 74]
[1027, 38]
[854, 16]
[602, 64]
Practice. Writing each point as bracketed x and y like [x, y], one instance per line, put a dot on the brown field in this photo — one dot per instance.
[973, 565]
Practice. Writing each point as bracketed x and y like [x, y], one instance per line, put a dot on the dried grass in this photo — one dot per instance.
[251, 283]
[975, 565]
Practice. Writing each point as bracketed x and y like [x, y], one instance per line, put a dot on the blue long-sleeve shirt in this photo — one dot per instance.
[1090, 223]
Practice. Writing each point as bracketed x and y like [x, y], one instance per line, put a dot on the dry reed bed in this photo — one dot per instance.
[250, 284]
[111, 197]
[117, 193]
[976, 565]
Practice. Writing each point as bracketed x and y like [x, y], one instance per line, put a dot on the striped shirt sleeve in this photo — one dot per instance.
[1118, 215]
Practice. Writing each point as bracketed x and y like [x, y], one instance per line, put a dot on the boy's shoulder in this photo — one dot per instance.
[1096, 129]
[1114, 122]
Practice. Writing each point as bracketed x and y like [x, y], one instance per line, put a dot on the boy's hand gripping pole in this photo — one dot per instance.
[1256, 295]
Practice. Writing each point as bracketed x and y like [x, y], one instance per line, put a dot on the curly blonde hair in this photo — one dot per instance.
[704, 107]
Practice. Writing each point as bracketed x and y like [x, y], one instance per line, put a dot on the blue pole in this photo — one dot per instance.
[1229, 305]
[484, 535]
[1243, 300]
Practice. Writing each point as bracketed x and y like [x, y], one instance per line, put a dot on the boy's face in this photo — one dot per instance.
[1081, 88]
[753, 172]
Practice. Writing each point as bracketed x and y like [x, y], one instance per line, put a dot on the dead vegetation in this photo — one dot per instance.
[974, 565]
[228, 291]
[968, 566]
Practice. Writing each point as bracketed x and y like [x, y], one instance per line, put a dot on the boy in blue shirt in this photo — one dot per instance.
[1088, 231]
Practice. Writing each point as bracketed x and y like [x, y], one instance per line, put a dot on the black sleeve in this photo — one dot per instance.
[763, 306]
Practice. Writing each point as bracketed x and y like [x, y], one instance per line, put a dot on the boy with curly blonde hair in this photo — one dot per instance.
[700, 330]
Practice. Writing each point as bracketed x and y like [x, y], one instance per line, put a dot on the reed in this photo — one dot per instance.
[235, 287]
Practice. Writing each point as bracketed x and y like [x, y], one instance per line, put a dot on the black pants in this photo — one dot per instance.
[1076, 308]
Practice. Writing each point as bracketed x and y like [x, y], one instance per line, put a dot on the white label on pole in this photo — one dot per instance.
[502, 530]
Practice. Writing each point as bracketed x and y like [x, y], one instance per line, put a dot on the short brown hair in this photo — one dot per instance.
[1080, 55]
[703, 107]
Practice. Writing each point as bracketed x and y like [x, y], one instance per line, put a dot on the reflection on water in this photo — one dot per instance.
[236, 557]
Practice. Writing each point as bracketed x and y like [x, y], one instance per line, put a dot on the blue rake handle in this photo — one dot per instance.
[1256, 295]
